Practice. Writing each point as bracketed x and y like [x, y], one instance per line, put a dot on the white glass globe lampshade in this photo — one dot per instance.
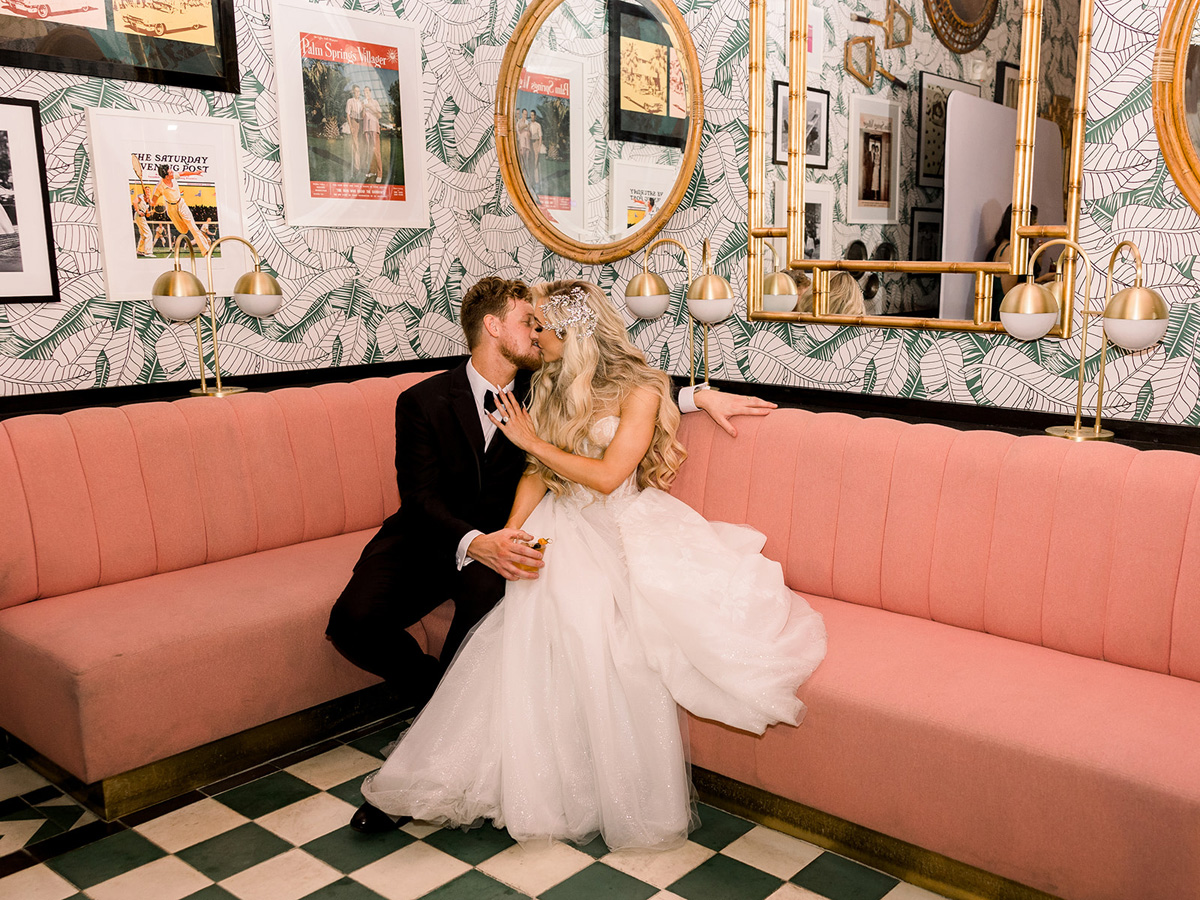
[258, 294]
[647, 295]
[780, 293]
[1136, 318]
[710, 299]
[1029, 311]
[178, 296]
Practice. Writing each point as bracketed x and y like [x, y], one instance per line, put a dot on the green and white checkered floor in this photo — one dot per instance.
[280, 832]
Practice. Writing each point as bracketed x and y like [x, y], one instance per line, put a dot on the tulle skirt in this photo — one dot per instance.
[560, 718]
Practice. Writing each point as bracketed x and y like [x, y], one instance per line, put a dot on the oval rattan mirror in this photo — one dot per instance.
[596, 178]
[1176, 79]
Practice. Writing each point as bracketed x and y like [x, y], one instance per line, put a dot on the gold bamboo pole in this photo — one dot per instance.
[797, 89]
[754, 200]
[1075, 165]
[1031, 53]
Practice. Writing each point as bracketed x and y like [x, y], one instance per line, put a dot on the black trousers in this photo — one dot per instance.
[368, 621]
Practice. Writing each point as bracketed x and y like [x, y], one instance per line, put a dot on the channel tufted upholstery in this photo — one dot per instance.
[182, 554]
[1014, 642]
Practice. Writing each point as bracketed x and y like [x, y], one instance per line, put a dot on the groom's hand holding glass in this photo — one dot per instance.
[507, 551]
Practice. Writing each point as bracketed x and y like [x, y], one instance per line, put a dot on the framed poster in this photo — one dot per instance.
[28, 273]
[155, 178]
[816, 127]
[874, 173]
[1008, 83]
[931, 127]
[925, 235]
[190, 43]
[818, 218]
[351, 132]
[638, 192]
[648, 95]
[550, 137]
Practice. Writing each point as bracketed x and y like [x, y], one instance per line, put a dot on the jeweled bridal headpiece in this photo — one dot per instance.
[569, 309]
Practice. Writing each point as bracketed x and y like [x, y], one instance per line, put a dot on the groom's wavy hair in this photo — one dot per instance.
[489, 296]
[595, 374]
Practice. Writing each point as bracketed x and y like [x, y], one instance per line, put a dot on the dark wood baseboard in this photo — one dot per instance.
[964, 416]
[65, 401]
[906, 861]
[115, 797]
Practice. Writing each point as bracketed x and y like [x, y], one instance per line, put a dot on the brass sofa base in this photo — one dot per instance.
[117, 796]
[906, 861]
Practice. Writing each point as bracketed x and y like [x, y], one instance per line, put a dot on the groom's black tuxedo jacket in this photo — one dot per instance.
[448, 484]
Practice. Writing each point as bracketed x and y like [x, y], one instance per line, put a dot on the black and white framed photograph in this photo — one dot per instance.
[189, 43]
[873, 186]
[925, 235]
[816, 127]
[27, 268]
[1008, 83]
[818, 218]
[931, 127]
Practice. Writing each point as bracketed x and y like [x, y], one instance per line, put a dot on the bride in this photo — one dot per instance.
[560, 716]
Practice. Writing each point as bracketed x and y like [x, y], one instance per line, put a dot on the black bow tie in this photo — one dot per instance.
[489, 401]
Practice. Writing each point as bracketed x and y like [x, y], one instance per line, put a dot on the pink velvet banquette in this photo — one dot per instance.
[1014, 623]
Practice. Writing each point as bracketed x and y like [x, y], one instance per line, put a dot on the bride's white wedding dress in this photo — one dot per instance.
[558, 719]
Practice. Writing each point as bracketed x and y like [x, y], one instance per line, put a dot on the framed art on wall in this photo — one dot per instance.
[931, 127]
[28, 273]
[189, 43]
[638, 191]
[158, 177]
[925, 235]
[818, 218]
[816, 127]
[550, 137]
[352, 137]
[874, 171]
[648, 95]
[1008, 81]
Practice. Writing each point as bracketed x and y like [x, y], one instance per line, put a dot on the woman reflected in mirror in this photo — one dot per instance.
[845, 296]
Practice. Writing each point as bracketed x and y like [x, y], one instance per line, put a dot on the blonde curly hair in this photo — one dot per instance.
[594, 376]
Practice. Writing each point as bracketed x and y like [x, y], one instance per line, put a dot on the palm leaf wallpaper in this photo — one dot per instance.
[370, 295]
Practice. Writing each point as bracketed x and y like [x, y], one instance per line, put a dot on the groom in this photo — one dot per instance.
[457, 476]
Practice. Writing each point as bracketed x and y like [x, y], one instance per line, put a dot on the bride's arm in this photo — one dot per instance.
[639, 413]
[530, 490]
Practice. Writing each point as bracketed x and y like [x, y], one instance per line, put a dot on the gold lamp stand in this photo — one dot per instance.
[180, 296]
[1135, 318]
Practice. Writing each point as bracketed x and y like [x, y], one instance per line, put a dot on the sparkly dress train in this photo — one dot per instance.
[560, 717]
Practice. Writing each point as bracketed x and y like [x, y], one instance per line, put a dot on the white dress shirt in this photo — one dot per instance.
[479, 388]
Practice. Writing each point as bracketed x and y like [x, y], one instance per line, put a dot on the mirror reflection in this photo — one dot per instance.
[602, 118]
[948, 179]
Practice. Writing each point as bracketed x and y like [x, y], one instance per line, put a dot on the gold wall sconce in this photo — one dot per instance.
[860, 62]
[182, 297]
[1136, 318]
[709, 298]
[897, 25]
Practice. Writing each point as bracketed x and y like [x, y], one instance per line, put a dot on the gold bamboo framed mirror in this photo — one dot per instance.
[1176, 91]
[649, 133]
[981, 281]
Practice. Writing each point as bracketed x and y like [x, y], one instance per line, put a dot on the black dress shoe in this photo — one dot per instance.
[370, 819]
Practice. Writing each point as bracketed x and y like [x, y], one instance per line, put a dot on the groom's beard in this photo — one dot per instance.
[532, 360]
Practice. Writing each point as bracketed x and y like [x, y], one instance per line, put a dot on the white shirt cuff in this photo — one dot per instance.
[687, 398]
[461, 559]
